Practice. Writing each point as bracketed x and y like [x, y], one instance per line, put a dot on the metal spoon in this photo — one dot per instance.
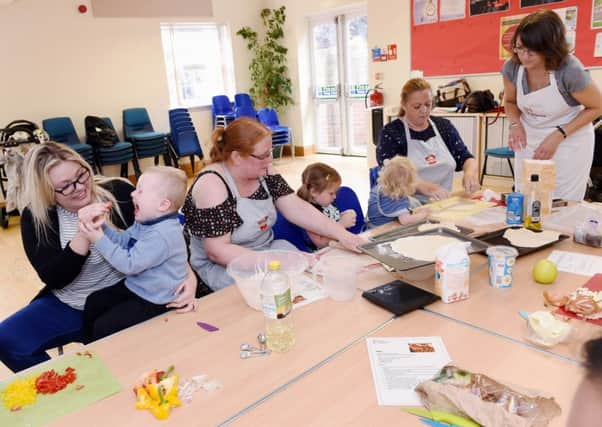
[248, 347]
[247, 354]
[262, 341]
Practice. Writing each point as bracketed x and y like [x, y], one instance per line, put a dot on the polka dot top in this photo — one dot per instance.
[392, 141]
[223, 219]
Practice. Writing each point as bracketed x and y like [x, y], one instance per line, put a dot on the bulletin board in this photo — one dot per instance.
[471, 44]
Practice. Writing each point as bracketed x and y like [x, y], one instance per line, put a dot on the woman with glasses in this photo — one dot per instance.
[58, 188]
[232, 204]
[432, 144]
[550, 102]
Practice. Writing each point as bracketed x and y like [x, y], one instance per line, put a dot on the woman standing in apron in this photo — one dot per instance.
[431, 143]
[232, 204]
[550, 102]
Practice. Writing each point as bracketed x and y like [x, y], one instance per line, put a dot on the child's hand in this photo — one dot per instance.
[90, 231]
[348, 218]
[94, 213]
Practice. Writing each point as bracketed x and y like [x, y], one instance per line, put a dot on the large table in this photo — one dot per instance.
[325, 379]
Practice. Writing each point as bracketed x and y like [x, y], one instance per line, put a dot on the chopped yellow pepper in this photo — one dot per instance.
[158, 397]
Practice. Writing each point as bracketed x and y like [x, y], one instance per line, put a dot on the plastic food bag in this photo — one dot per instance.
[485, 400]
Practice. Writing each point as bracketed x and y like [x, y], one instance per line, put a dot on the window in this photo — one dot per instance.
[198, 58]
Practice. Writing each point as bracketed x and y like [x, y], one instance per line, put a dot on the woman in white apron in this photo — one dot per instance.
[431, 143]
[550, 102]
[232, 204]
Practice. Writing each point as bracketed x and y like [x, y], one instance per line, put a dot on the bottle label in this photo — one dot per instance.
[278, 306]
[535, 211]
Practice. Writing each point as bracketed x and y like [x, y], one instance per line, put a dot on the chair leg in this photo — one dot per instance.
[124, 170]
[156, 159]
[484, 170]
[137, 171]
[511, 169]
[192, 162]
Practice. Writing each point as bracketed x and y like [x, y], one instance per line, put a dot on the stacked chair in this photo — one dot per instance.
[61, 129]
[119, 154]
[184, 140]
[243, 106]
[222, 111]
[281, 135]
[138, 129]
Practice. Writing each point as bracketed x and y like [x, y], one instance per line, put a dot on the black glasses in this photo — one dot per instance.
[262, 156]
[521, 50]
[70, 188]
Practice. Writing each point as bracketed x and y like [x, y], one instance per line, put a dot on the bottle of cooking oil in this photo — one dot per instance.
[277, 308]
[533, 205]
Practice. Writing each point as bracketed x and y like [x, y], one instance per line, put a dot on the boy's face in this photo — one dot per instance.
[148, 199]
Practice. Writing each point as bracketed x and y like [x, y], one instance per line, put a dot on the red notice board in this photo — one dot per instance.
[470, 45]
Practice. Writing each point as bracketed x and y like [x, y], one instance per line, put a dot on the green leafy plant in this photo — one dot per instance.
[269, 73]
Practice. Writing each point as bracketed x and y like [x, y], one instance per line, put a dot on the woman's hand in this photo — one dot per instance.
[548, 147]
[517, 137]
[470, 182]
[184, 300]
[434, 191]
[351, 241]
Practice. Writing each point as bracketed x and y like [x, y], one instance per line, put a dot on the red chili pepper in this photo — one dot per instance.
[49, 382]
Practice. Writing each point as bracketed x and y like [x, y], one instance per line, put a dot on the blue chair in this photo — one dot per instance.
[243, 100]
[119, 154]
[281, 135]
[245, 111]
[500, 153]
[222, 111]
[61, 129]
[138, 129]
[347, 199]
[374, 171]
[286, 230]
[184, 140]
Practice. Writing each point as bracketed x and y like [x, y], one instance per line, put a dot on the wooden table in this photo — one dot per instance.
[322, 328]
[342, 392]
[496, 310]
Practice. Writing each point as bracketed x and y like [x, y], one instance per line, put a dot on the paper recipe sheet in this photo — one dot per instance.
[399, 364]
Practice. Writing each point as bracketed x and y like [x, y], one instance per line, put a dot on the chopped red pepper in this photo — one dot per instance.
[49, 382]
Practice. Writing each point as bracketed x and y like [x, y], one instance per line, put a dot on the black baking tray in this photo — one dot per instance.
[411, 229]
[496, 238]
[399, 297]
[381, 249]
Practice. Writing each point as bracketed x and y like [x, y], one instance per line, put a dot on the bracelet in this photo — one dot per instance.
[562, 131]
[513, 124]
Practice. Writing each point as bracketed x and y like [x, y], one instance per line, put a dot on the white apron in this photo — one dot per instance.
[432, 159]
[255, 232]
[541, 111]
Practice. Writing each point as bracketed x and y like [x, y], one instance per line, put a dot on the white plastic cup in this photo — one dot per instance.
[501, 260]
[339, 277]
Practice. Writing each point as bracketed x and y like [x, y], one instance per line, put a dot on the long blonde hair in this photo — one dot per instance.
[38, 193]
[397, 178]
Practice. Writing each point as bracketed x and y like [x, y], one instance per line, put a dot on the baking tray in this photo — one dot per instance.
[496, 238]
[411, 229]
[381, 249]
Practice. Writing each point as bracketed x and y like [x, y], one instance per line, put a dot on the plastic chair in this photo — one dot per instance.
[184, 140]
[222, 111]
[286, 230]
[281, 135]
[347, 199]
[245, 111]
[373, 173]
[61, 129]
[119, 154]
[243, 100]
[500, 153]
[138, 129]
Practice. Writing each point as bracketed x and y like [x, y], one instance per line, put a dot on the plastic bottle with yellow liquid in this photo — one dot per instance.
[277, 307]
[533, 205]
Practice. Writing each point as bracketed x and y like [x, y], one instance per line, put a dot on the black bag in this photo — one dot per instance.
[18, 132]
[452, 94]
[99, 133]
[479, 101]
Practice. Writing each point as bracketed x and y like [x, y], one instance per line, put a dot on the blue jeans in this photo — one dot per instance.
[44, 323]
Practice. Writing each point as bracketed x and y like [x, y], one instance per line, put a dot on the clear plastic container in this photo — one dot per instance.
[276, 302]
[547, 330]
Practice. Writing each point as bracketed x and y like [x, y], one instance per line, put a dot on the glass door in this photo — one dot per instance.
[339, 45]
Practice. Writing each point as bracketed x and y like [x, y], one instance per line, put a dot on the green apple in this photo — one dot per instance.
[545, 272]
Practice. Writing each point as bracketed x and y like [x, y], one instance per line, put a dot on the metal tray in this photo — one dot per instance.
[381, 250]
[411, 229]
[496, 238]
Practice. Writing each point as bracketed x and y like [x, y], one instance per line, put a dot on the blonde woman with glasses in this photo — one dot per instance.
[550, 101]
[58, 190]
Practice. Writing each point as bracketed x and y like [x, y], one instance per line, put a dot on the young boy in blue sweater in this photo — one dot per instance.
[151, 253]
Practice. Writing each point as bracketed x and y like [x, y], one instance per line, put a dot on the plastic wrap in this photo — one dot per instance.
[485, 400]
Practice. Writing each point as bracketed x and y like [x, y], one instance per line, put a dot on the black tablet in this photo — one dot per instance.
[399, 297]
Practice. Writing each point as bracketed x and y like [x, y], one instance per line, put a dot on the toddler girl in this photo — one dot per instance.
[390, 198]
[319, 187]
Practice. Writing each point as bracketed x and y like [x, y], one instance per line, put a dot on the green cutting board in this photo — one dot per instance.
[92, 373]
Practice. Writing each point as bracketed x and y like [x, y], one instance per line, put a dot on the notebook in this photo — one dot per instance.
[399, 297]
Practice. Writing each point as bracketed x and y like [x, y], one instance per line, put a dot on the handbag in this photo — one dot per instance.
[452, 94]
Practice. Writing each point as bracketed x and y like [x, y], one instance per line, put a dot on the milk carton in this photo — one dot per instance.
[452, 272]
